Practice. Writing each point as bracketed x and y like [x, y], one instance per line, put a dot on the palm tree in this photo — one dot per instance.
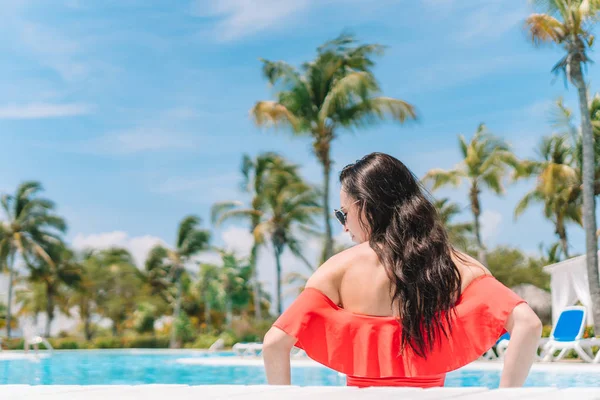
[118, 286]
[484, 163]
[209, 287]
[292, 206]
[63, 271]
[2, 316]
[458, 233]
[594, 107]
[190, 241]
[29, 224]
[158, 275]
[337, 90]
[568, 23]
[551, 254]
[233, 276]
[83, 296]
[255, 173]
[557, 178]
[31, 300]
[278, 172]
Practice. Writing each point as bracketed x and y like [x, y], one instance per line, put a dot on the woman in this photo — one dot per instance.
[402, 308]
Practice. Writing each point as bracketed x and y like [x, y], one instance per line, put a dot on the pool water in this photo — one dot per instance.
[108, 367]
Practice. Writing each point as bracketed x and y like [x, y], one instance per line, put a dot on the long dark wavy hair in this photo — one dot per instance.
[406, 232]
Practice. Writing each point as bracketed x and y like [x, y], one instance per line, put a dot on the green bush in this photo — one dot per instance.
[184, 330]
[246, 330]
[203, 341]
[67, 343]
[229, 338]
[588, 332]
[13, 344]
[147, 342]
[546, 330]
[144, 317]
[107, 343]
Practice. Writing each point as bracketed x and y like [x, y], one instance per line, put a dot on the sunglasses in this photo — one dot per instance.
[341, 214]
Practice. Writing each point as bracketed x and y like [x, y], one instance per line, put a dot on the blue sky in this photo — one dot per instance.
[134, 113]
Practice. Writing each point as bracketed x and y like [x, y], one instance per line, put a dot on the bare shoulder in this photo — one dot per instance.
[469, 268]
[328, 277]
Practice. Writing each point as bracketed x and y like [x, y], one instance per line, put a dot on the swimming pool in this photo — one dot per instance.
[112, 367]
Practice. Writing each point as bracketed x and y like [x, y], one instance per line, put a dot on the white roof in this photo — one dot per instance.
[573, 262]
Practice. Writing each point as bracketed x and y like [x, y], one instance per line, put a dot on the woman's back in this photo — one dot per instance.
[364, 287]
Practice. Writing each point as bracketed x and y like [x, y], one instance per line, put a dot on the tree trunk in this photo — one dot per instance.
[328, 247]
[562, 235]
[87, 329]
[278, 265]
[176, 310]
[228, 312]
[256, 283]
[207, 310]
[49, 310]
[589, 204]
[115, 327]
[476, 209]
[11, 277]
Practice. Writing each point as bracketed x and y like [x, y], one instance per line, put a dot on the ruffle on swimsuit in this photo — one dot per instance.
[363, 346]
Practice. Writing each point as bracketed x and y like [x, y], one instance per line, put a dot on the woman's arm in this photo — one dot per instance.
[276, 356]
[277, 344]
[525, 330]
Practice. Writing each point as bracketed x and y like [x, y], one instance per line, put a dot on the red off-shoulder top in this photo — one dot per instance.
[366, 348]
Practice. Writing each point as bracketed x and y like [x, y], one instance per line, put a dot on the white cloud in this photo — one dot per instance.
[43, 110]
[491, 222]
[186, 184]
[163, 130]
[138, 246]
[239, 18]
[448, 74]
[539, 110]
[491, 21]
[138, 140]
[54, 50]
[238, 240]
[236, 19]
[344, 239]
[204, 189]
[144, 140]
[182, 113]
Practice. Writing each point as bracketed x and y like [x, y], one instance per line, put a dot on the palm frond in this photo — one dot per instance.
[218, 209]
[237, 215]
[195, 242]
[440, 177]
[525, 202]
[156, 258]
[345, 91]
[280, 71]
[399, 110]
[267, 113]
[543, 28]
[561, 118]
[186, 227]
[526, 169]
[493, 180]
[6, 201]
